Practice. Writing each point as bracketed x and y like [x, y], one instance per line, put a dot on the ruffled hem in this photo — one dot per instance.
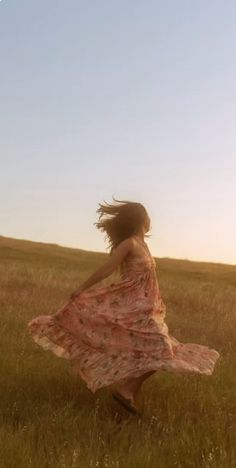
[99, 369]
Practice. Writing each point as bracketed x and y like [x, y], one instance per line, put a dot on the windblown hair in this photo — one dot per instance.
[124, 220]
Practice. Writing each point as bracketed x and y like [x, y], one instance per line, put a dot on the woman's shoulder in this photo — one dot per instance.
[136, 250]
[133, 248]
[129, 242]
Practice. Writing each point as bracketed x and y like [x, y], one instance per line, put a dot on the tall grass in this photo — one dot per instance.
[49, 419]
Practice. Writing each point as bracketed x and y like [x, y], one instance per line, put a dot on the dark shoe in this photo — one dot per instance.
[126, 402]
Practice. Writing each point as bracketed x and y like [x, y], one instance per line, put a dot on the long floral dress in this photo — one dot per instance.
[113, 332]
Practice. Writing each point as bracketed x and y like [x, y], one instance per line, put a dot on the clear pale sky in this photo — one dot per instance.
[135, 99]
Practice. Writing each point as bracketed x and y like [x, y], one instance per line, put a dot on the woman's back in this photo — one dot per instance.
[138, 261]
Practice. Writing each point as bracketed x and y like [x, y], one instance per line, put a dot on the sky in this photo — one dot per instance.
[130, 99]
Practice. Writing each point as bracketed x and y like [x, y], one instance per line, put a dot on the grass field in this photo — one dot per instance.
[48, 416]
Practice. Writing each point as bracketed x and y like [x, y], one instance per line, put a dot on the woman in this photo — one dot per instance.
[116, 334]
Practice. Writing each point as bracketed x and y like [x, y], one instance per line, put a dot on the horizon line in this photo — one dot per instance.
[102, 252]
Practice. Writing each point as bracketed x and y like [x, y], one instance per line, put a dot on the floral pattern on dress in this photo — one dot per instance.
[118, 331]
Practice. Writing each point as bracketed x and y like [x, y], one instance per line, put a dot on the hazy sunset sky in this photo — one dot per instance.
[135, 99]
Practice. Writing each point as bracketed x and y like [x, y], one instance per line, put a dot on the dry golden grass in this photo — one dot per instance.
[49, 419]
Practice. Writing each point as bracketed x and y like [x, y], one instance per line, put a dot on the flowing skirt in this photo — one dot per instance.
[113, 332]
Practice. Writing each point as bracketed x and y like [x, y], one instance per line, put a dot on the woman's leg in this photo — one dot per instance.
[131, 387]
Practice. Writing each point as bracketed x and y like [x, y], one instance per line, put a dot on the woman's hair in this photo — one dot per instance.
[124, 220]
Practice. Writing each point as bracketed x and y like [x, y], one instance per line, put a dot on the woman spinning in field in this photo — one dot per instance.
[116, 334]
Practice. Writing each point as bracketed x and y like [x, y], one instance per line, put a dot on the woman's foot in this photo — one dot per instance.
[126, 392]
[128, 403]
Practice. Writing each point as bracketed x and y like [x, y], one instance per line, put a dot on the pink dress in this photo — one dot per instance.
[113, 332]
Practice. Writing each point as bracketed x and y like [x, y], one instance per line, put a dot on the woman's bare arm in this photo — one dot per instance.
[107, 269]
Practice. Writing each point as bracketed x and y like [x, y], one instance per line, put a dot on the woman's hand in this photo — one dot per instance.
[76, 293]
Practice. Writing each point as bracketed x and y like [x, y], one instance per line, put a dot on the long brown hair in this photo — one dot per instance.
[124, 220]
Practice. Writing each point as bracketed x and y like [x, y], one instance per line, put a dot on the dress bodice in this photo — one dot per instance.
[142, 270]
[135, 265]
